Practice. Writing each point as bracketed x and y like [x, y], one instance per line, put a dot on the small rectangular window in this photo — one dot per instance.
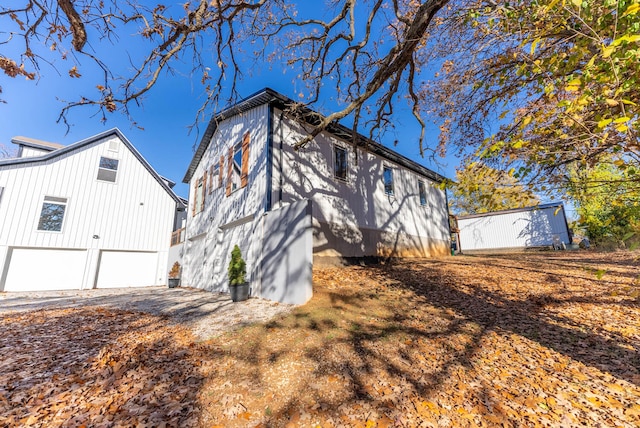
[387, 176]
[113, 145]
[198, 196]
[422, 191]
[236, 174]
[108, 169]
[52, 214]
[340, 162]
[213, 175]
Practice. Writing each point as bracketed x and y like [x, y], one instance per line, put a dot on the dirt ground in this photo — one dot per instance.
[544, 339]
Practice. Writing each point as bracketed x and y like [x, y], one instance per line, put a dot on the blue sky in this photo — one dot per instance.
[33, 107]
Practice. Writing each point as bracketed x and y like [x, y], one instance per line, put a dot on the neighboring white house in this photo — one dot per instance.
[91, 214]
[538, 226]
[288, 209]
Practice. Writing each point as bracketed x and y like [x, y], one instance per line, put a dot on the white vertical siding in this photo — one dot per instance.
[206, 256]
[29, 152]
[136, 213]
[356, 217]
[530, 228]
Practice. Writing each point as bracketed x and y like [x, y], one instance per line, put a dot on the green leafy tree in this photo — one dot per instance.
[558, 77]
[608, 202]
[480, 188]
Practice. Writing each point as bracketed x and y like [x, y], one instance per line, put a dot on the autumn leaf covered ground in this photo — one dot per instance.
[544, 339]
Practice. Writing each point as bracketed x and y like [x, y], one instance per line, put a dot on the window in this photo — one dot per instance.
[422, 191]
[108, 169]
[340, 162]
[198, 196]
[236, 167]
[52, 214]
[387, 177]
[214, 172]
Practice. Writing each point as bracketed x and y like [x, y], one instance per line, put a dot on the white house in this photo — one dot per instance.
[543, 225]
[288, 209]
[91, 214]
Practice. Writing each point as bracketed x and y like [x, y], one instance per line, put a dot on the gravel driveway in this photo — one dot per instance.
[208, 314]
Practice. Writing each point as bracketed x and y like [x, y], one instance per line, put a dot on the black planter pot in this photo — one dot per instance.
[174, 282]
[239, 293]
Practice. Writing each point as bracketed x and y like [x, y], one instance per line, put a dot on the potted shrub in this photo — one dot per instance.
[174, 275]
[238, 286]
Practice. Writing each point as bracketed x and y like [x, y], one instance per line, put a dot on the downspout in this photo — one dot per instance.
[281, 185]
[268, 205]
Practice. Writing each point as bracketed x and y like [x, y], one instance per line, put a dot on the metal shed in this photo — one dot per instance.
[538, 226]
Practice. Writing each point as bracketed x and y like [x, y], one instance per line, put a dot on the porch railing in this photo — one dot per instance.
[177, 237]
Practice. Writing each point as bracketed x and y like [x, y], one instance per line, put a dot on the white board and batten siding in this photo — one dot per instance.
[227, 220]
[355, 217]
[518, 228]
[108, 223]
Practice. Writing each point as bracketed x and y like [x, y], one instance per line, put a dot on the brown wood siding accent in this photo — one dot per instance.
[196, 184]
[244, 176]
[229, 170]
[221, 172]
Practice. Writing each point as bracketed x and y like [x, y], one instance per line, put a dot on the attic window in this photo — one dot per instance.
[113, 145]
[52, 214]
[108, 169]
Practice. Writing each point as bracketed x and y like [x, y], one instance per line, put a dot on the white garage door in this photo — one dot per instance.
[32, 269]
[127, 269]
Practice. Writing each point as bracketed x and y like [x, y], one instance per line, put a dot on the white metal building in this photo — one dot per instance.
[91, 214]
[364, 201]
[535, 226]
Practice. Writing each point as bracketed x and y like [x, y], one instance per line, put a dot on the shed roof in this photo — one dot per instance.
[276, 99]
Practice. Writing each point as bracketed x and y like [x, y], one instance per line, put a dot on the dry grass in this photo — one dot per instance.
[550, 339]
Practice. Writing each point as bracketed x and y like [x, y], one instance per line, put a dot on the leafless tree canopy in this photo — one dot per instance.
[366, 53]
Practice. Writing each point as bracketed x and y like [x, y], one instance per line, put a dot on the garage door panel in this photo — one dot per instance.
[38, 269]
[127, 269]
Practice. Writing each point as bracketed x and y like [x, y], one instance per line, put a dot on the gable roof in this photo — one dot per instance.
[276, 99]
[54, 153]
[37, 144]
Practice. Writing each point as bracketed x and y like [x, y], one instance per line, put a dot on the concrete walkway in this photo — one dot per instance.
[208, 314]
